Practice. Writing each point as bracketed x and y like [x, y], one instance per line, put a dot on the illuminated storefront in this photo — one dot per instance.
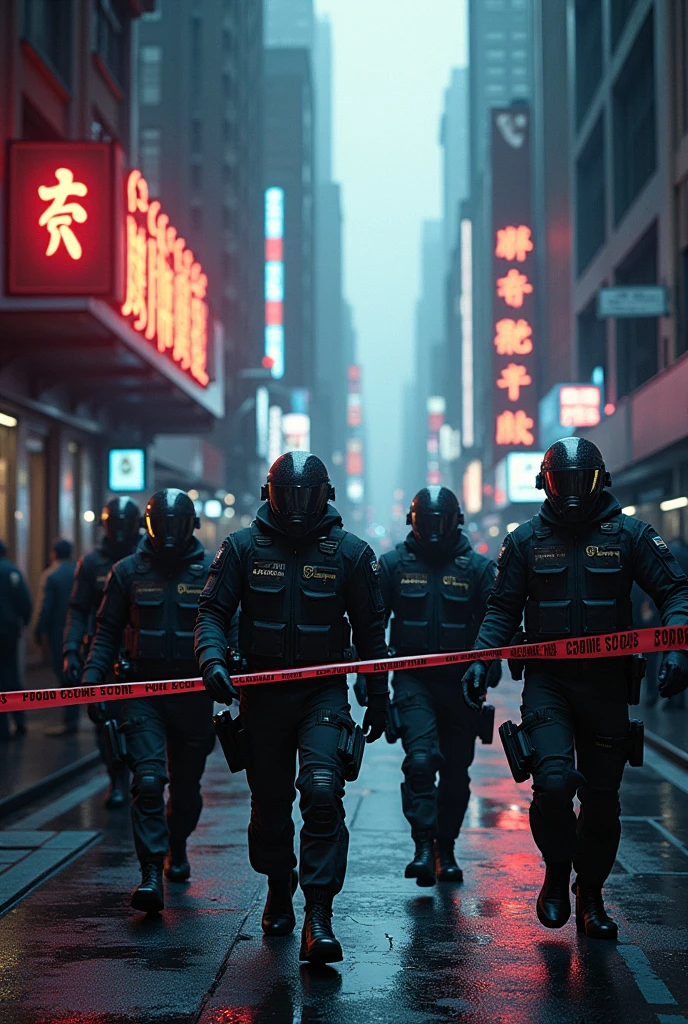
[106, 337]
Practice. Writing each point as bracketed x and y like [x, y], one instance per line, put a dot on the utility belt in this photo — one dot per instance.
[519, 749]
[631, 668]
[236, 748]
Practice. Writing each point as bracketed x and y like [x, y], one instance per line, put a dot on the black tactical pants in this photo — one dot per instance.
[438, 733]
[283, 721]
[578, 726]
[168, 740]
[9, 680]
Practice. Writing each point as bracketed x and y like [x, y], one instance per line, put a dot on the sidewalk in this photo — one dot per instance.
[29, 760]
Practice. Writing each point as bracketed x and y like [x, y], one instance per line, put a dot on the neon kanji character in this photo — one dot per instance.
[60, 215]
[514, 428]
[513, 287]
[135, 302]
[199, 325]
[513, 337]
[183, 259]
[513, 378]
[513, 243]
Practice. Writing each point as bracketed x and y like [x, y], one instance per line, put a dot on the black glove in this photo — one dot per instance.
[375, 718]
[98, 713]
[494, 674]
[673, 674]
[218, 683]
[72, 668]
[361, 690]
[474, 685]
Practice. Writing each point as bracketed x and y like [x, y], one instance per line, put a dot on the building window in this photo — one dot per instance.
[636, 337]
[110, 21]
[619, 13]
[592, 342]
[48, 27]
[151, 76]
[149, 152]
[635, 144]
[588, 53]
[590, 197]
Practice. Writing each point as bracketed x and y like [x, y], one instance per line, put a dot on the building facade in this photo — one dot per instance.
[79, 374]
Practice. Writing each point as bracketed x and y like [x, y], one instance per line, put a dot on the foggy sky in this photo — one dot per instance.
[392, 62]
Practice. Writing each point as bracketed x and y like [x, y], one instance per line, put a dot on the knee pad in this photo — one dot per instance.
[421, 765]
[555, 784]
[322, 809]
[148, 792]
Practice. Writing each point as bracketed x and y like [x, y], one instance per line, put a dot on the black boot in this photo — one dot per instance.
[278, 916]
[149, 895]
[422, 867]
[318, 943]
[591, 917]
[554, 902]
[177, 867]
[117, 795]
[445, 862]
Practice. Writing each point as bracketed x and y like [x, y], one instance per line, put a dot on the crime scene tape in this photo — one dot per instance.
[602, 645]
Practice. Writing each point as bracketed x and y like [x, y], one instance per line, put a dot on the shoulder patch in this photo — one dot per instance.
[216, 569]
[505, 552]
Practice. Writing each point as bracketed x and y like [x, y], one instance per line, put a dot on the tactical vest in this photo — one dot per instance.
[293, 603]
[163, 610]
[100, 564]
[433, 604]
[579, 582]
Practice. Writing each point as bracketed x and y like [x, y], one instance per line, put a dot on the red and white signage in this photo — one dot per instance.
[579, 405]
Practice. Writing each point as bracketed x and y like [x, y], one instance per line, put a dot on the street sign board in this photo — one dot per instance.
[635, 300]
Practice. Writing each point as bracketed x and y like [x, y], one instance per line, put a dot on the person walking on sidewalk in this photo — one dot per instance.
[51, 624]
[121, 521]
[15, 613]
[149, 607]
[435, 588]
[301, 581]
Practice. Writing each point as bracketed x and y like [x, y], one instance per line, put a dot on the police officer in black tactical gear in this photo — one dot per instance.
[149, 607]
[121, 521]
[15, 613]
[297, 576]
[572, 567]
[435, 586]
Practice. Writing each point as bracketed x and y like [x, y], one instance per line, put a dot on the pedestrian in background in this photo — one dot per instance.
[52, 620]
[15, 613]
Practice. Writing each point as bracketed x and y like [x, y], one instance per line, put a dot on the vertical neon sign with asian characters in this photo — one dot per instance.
[166, 288]
[274, 280]
[513, 301]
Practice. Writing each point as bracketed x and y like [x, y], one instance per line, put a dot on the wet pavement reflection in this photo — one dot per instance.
[72, 952]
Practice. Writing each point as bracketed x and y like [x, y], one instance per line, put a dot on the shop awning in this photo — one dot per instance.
[81, 354]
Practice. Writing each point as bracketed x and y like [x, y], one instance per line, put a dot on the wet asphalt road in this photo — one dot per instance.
[71, 950]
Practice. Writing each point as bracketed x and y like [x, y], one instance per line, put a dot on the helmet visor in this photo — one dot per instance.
[573, 483]
[170, 533]
[297, 502]
[121, 529]
[433, 527]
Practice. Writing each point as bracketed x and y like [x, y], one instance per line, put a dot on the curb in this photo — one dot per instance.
[50, 782]
[668, 750]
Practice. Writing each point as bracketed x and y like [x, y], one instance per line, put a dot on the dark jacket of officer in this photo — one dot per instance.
[53, 614]
[149, 608]
[576, 579]
[436, 604]
[15, 599]
[87, 593]
[297, 597]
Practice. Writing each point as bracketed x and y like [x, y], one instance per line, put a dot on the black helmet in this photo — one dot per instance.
[121, 520]
[573, 477]
[435, 516]
[170, 519]
[298, 490]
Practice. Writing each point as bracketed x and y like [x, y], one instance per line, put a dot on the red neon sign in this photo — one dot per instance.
[166, 288]
[579, 405]
[61, 219]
